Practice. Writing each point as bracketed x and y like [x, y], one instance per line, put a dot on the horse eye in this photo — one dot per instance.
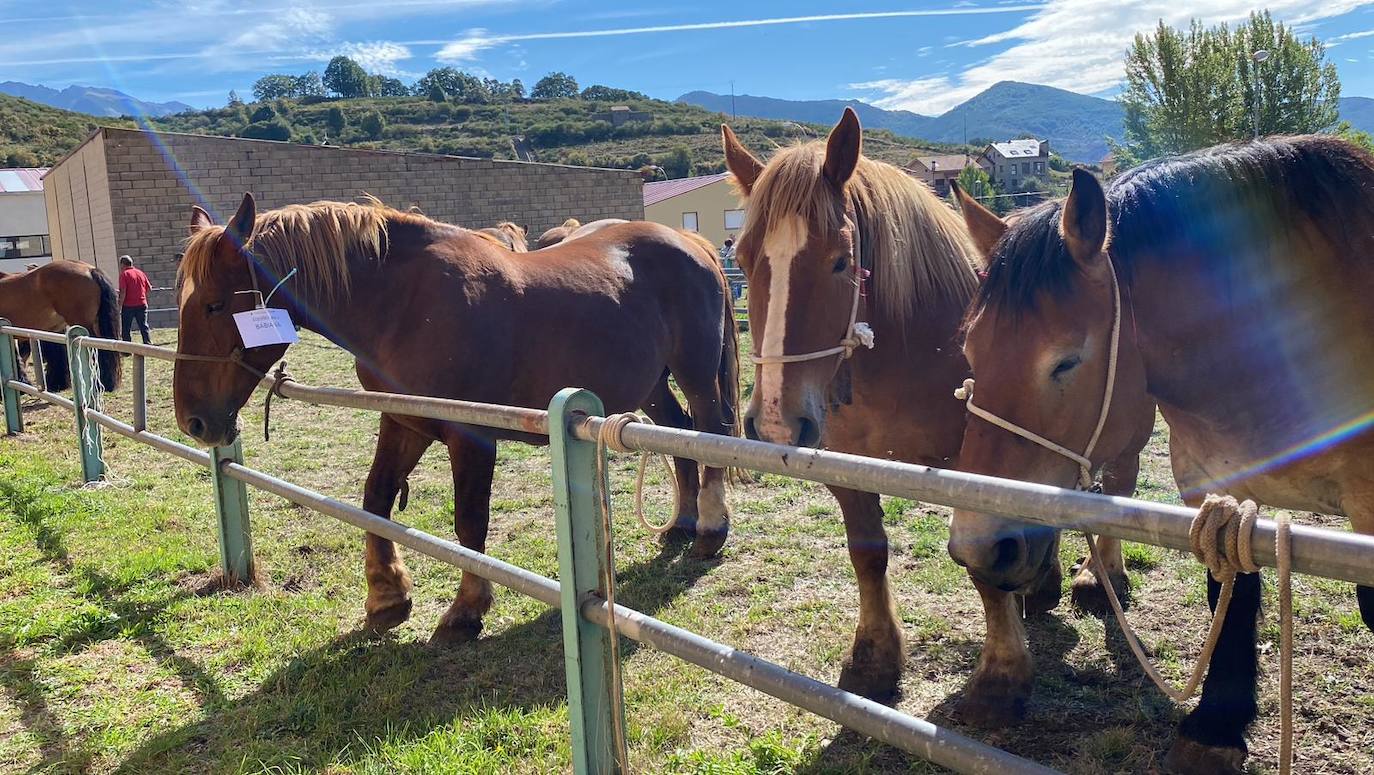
[215, 307]
[1065, 366]
[840, 264]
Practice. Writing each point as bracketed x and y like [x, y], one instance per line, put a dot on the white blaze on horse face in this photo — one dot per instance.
[781, 244]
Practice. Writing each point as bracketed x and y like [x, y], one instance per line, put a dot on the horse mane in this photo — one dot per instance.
[571, 224]
[1228, 204]
[917, 247]
[319, 240]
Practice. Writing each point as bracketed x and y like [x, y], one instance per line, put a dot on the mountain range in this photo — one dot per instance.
[91, 100]
[1076, 125]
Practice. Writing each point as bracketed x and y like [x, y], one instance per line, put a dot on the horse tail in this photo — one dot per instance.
[57, 372]
[107, 327]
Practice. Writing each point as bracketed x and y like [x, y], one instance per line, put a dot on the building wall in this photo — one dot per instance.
[708, 202]
[154, 179]
[77, 197]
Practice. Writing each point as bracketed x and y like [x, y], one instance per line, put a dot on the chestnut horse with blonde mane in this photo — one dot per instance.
[834, 241]
[432, 309]
[1239, 281]
[510, 235]
[57, 295]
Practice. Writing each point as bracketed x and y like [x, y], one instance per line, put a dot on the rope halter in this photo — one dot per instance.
[1084, 461]
[857, 333]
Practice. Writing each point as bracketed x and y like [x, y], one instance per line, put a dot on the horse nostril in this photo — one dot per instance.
[1008, 553]
[808, 432]
[750, 432]
[196, 427]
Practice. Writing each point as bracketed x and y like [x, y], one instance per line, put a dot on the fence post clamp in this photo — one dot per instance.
[85, 395]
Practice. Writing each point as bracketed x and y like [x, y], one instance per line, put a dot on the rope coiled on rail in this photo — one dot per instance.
[1220, 537]
[610, 436]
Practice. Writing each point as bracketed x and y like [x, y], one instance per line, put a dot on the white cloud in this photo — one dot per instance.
[376, 57]
[1076, 45]
[1339, 39]
[476, 41]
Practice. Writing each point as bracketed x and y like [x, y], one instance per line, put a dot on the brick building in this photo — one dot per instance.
[130, 191]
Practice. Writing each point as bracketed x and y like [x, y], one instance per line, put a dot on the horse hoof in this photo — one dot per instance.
[993, 703]
[873, 679]
[1189, 757]
[709, 543]
[1090, 595]
[680, 533]
[456, 633]
[384, 619]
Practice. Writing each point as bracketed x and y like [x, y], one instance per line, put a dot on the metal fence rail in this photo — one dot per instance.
[571, 424]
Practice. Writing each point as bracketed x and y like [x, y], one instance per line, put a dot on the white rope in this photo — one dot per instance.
[1220, 537]
[610, 437]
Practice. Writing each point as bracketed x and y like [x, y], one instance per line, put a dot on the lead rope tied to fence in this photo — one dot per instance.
[1219, 516]
[611, 430]
[609, 437]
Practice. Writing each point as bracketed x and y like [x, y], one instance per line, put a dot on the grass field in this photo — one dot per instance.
[115, 658]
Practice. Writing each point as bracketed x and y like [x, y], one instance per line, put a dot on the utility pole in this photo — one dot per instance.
[1259, 58]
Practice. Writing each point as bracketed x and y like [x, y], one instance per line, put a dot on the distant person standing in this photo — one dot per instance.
[133, 299]
[727, 253]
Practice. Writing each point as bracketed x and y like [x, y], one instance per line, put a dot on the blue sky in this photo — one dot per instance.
[922, 56]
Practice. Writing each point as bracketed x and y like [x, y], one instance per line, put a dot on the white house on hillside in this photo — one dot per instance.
[1011, 162]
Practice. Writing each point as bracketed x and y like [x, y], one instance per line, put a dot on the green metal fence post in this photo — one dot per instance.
[231, 506]
[84, 397]
[9, 369]
[592, 678]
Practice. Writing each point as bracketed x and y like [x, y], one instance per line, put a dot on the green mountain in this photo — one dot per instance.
[1076, 125]
[682, 139]
[33, 135]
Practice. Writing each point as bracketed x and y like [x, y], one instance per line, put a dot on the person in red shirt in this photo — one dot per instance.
[133, 299]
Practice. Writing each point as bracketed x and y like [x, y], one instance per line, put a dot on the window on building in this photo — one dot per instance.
[1040, 168]
[31, 246]
[689, 221]
[734, 219]
[1025, 168]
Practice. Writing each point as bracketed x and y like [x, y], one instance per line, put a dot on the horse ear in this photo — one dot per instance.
[741, 163]
[843, 148]
[983, 224]
[1084, 221]
[240, 227]
[200, 219]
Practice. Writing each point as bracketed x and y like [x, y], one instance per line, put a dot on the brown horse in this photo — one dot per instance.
[1244, 281]
[432, 309]
[833, 239]
[61, 294]
[557, 234]
[509, 235]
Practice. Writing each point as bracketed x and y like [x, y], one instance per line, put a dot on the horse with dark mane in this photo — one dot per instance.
[57, 295]
[435, 310]
[836, 243]
[1238, 280]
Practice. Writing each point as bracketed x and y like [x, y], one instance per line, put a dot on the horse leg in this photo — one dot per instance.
[1043, 596]
[1211, 739]
[1362, 520]
[1087, 591]
[388, 582]
[996, 694]
[710, 414]
[663, 408]
[24, 348]
[473, 460]
[873, 666]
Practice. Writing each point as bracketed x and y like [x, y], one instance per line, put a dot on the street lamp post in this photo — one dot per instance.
[1259, 57]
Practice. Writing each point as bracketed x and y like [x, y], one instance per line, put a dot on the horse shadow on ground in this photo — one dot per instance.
[1067, 706]
[328, 704]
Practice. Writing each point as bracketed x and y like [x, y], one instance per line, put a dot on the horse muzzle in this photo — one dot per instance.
[211, 430]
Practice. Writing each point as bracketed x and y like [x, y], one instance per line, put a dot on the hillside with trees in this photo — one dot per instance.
[451, 112]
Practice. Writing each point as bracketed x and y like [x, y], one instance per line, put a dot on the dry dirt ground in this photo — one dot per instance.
[114, 659]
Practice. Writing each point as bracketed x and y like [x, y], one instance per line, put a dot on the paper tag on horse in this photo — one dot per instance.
[265, 326]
